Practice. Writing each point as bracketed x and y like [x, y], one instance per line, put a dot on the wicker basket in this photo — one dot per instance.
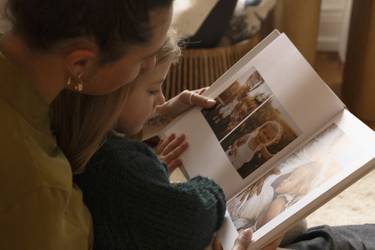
[199, 68]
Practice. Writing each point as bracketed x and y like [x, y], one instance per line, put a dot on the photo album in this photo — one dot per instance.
[278, 141]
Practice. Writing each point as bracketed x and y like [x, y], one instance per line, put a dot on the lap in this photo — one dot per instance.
[351, 237]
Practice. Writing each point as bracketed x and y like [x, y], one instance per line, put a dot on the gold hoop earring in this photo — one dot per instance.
[77, 86]
[69, 81]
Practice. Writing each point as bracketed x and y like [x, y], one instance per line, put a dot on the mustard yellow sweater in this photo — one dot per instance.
[39, 206]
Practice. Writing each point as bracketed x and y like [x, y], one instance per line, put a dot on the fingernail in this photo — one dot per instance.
[246, 234]
[210, 101]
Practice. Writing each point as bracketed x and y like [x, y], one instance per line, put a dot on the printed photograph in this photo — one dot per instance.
[304, 171]
[262, 135]
[238, 101]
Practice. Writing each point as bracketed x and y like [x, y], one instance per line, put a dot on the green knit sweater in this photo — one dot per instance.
[134, 206]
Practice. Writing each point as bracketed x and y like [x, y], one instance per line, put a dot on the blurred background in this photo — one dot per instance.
[336, 37]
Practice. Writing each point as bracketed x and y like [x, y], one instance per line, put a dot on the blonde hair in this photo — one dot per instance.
[81, 122]
[170, 50]
[277, 126]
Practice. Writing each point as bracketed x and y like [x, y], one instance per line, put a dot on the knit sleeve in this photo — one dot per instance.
[142, 206]
[184, 216]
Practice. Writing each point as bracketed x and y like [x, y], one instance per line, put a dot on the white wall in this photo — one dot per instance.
[334, 26]
[345, 31]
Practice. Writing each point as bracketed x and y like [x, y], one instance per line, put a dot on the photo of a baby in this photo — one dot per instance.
[259, 137]
[290, 182]
[238, 101]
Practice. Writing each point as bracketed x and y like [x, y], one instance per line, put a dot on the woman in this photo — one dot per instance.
[91, 47]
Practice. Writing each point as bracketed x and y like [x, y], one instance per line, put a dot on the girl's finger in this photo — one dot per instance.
[200, 91]
[173, 144]
[243, 240]
[202, 101]
[173, 165]
[163, 143]
[176, 153]
[191, 98]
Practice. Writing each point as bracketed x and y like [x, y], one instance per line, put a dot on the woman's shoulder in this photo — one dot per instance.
[30, 159]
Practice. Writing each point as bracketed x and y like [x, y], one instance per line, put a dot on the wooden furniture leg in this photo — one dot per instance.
[358, 89]
[299, 19]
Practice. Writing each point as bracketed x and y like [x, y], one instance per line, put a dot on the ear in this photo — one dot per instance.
[79, 61]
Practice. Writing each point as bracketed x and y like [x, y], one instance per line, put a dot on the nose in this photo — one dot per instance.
[160, 100]
[149, 63]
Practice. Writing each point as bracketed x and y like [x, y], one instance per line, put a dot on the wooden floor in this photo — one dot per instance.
[342, 210]
[330, 68]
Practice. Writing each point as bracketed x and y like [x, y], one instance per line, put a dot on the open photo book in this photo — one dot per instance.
[279, 142]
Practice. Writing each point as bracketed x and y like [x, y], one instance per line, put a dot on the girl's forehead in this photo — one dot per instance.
[157, 73]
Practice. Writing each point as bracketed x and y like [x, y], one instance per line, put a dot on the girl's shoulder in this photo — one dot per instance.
[119, 159]
[119, 154]
[125, 147]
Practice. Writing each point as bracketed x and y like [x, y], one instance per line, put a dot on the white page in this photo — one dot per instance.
[345, 152]
[241, 63]
[303, 99]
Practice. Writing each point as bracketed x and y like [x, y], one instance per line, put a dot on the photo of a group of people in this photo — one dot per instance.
[301, 173]
[250, 123]
[259, 137]
[239, 100]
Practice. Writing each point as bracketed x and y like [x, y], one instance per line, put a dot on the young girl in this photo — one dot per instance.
[244, 148]
[91, 47]
[126, 187]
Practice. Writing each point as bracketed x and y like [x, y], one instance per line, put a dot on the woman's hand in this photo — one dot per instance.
[170, 149]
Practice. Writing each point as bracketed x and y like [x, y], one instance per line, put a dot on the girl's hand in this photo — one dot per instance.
[166, 112]
[184, 101]
[243, 242]
[170, 149]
